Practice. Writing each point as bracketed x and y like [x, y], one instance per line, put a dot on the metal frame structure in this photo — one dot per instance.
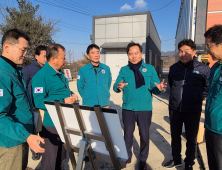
[85, 144]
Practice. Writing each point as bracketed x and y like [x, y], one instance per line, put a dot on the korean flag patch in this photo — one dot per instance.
[39, 90]
[1, 92]
[78, 76]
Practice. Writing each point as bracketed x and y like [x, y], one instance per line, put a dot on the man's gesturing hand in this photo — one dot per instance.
[121, 85]
[161, 87]
[33, 142]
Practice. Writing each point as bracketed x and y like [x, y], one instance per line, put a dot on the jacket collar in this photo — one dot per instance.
[36, 64]
[50, 69]
[8, 67]
[143, 64]
[90, 66]
[9, 62]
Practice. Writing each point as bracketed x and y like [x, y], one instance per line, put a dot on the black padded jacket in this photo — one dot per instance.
[188, 86]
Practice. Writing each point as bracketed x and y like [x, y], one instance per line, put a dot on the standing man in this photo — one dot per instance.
[213, 110]
[30, 70]
[50, 84]
[94, 80]
[138, 81]
[16, 118]
[188, 88]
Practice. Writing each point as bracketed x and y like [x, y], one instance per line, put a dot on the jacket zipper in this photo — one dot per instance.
[182, 89]
[97, 89]
[65, 85]
[96, 72]
[183, 84]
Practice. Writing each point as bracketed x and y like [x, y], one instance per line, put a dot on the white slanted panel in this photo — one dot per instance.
[71, 121]
[115, 130]
[55, 119]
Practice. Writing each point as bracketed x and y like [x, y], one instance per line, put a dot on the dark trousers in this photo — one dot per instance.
[214, 150]
[55, 152]
[143, 119]
[191, 122]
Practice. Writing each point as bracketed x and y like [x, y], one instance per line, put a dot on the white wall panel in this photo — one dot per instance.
[100, 21]
[125, 19]
[125, 30]
[139, 29]
[112, 31]
[112, 20]
[100, 31]
[125, 39]
[112, 40]
[100, 42]
[139, 18]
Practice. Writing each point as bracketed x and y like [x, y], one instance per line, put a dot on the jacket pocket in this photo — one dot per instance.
[195, 79]
[147, 78]
[128, 90]
[104, 78]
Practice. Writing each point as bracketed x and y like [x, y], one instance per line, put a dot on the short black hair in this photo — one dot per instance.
[90, 47]
[13, 35]
[54, 51]
[187, 42]
[131, 44]
[215, 33]
[41, 48]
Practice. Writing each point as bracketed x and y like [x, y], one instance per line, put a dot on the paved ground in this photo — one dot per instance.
[160, 149]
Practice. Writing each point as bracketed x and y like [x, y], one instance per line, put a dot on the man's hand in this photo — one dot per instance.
[121, 85]
[75, 97]
[71, 100]
[161, 87]
[33, 140]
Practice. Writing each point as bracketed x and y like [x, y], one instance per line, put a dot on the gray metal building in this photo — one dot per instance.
[112, 33]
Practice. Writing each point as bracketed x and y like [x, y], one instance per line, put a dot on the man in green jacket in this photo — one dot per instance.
[50, 84]
[213, 110]
[16, 117]
[138, 81]
[94, 80]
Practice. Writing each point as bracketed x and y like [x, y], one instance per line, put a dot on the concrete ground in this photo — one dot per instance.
[160, 139]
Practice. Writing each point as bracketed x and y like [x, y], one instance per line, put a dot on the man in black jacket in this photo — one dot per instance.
[188, 81]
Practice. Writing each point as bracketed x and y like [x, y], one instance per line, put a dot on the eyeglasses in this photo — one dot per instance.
[24, 52]
[208, 47]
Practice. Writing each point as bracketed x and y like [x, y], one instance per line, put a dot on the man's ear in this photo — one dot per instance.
[194, 53]
[220, 46]
[6, 46]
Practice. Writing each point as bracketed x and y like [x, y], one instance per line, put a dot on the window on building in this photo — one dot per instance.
[155, 60]
[150, 57]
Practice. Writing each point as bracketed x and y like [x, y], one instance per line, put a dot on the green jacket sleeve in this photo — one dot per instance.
[118, 80]
[110, 79]
[8, 126]
[39, 98]
[80, 83]
[155, 79]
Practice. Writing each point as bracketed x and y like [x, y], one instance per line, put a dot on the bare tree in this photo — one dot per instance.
[25, 18]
